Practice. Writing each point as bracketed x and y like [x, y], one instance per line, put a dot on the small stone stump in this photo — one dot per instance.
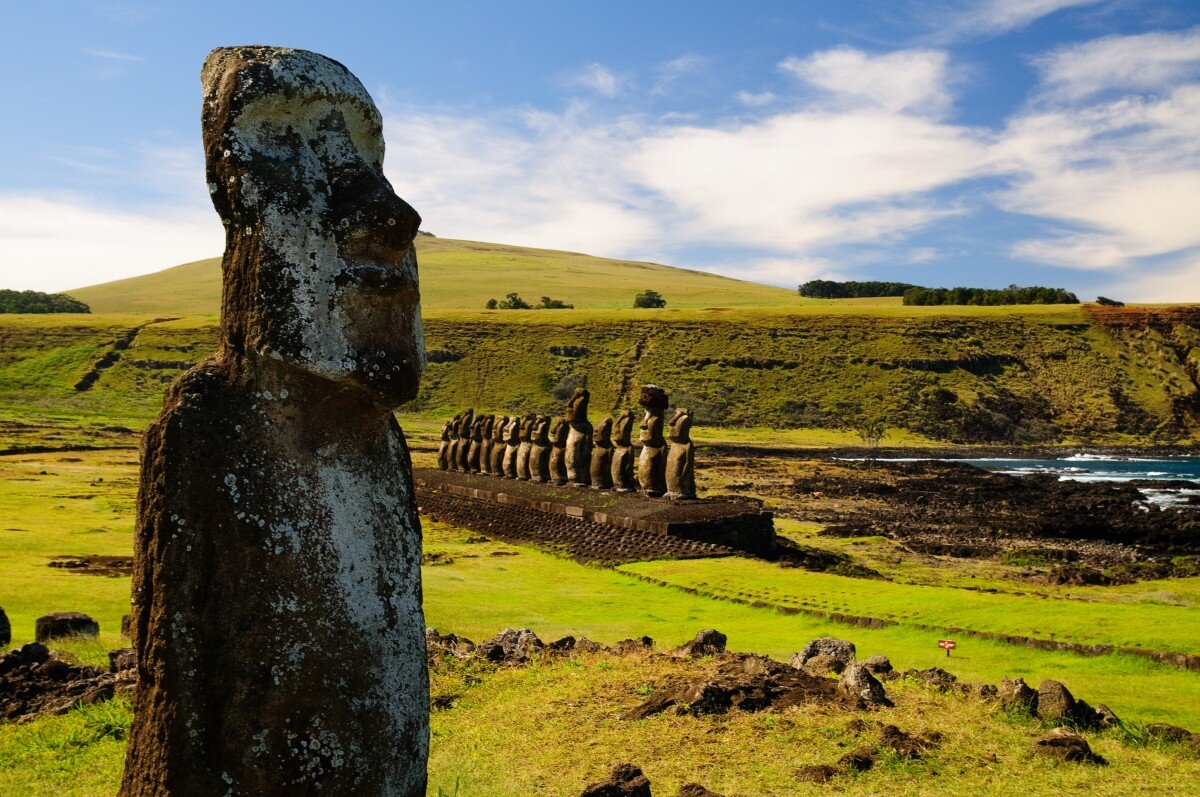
[64, 624]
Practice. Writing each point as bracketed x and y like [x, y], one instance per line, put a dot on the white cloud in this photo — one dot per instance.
[113, 55]
[755, 100]
[1146, 62]
[668, 73]
[905, 80]
[55, 244]
[990, 17]
[598, 78]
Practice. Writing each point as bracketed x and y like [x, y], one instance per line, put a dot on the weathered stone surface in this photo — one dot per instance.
[297, 529]
[1055, 702]
[449, 645]
[623, 478]
[511, 646]
[1167, 732]
[602, 456]
[32, 683]
[64, 624]
[1106, 718]
[486, 443]
[841, 649]
[652, 459]
[444, 445]
[820, 664]
[708, 642]
[558, 451]
[626, 780]
[1066, 745]
[456, 425]
[5, 629]
[579, 439]
[539, 454]
[512, 444]
[462, 451]
[878, 665]
[681, 456]
[858, 682]
[525, 447]
[475, 451]
[1018, 695]
[499, 430]
[121, 660]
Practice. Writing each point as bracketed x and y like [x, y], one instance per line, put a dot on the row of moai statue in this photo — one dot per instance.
[570, 450]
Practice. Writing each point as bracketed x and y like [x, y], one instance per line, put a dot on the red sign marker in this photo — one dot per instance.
[948, 645]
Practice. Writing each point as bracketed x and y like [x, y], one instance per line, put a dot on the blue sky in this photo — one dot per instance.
[943, 143]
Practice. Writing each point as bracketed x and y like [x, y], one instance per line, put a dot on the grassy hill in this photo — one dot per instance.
[463, 275]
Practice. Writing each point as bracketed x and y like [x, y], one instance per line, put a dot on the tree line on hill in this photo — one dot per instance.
[919, 295]
[513, 301]
[39, 302]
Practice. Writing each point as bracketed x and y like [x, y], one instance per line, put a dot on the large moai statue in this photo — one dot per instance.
[579, 439]
[485, 444]
[539, 454]
[499, 428]
[681, 456]
[623, 457]
[525, 447]
[602, 456]
[512, 442]
[652, 459]
[276, 618]
[476, 447]
[443, 455]
[558, 451]
[455, 442]
[463, 452]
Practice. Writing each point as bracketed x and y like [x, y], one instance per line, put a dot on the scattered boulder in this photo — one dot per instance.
[1105, 717]
[1066, 745]
[564, 645]
[121, 660]
[708, 642]
[1018, 695]
[33, 683]
[511, 646]
[817, 773]
[1054, 702]
[639, 645]
[935, 676]
[64, 624]
[448, 645]
[841, 649]
[821, 664]
[878, 665]
[5, 629]
[858, 682]
[585, 645]
[1167, 733]
[625, 780]
[696, 790]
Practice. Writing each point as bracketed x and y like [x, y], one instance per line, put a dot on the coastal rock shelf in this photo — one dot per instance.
[652, 527]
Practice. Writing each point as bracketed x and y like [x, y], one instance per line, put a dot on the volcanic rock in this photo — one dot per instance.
[33, 684]
[858, 682]
[1167, 733]
[878, 665]
[708, 642]
[1017, 694]
[64, 624]
[448, 645]
[1066, 745]
[841, 649]
[511, 646]
[5, 629]
[626, 780]
[628, 646]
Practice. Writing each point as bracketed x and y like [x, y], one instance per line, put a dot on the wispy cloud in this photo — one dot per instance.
[755, 99]
[1145, 62]
[113, 55]
[979, 18]
[905, 80]
[668, 73]
[597, 78]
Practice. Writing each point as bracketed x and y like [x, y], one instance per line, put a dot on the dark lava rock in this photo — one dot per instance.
[1017, 694]
[858, 682]
[746, 683]
[1105, 717]
[1066, 745]
[696, 790]
[121, 660]
[64, 624]
[32, 683]
[448, 645]
[625, 780]
[935, 676]
[878, 665]
[585, 645]
[1167, 733]
[817, 773]
[708, 642]
[511, 646]
[564, 645]
[841, 649]
[5, 629]
[126, 625]
[821, 664]
[639, 645]
[907, 745]
[1054, 702]
[859, 760]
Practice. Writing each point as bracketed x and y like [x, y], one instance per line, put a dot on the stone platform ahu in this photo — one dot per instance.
[276, 617]
[650, 489]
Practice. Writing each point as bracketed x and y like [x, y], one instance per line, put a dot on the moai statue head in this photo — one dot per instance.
[623, 428]
[602, 436]
[559, 432]
[681, 426]
[447, 428]
[498, 428]
[319, 269]
[456, 425]
[655, 400]
[512, 432]
[477, 427]
[541, 431]
[577, 406]
[489, 421]
[468, 421]
[527, 428]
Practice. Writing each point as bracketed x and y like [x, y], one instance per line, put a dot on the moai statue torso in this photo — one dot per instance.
[276, 519]
[499, 428]
[623, 455]
[579, 439]
[652, 459]
[539, 454]
[524, 448]
[485, 444]
[443, 456]
[512, 442]
[558, 451]
[476, 448]
[602, 455]
[455, 442]
[681, 456]
[464, 441]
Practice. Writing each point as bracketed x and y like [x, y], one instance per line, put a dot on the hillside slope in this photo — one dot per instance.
[463, 275]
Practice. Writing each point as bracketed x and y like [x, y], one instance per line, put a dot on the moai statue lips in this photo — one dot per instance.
[579, 439]
[681, 456]
[276, 593]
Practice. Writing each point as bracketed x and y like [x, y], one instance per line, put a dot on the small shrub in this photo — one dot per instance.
[1107, 302]
[650, 299]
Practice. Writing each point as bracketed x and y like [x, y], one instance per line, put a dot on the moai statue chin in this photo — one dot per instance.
[525, 447]
[579, 439]
[476, 447]
[455, 442]
[681, 456]
[463, 452]
[539, 453]
[623, 480]
[512, 443]
[652, 460]
[602, 455]
[276, 615]
[558, 451]
[485, 444]
[499, 428]
[443, 455]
